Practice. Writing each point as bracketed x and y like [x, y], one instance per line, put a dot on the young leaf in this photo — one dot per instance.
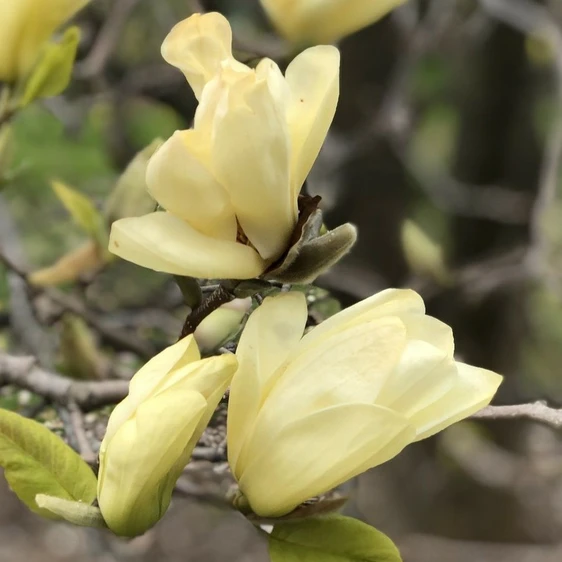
[36, 461]
[78, 513]
[51, 75]
[83, 212]
[331, 538]
[74, 265]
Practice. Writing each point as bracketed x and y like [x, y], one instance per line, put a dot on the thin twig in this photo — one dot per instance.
[76, 418]
[118, 338]
[214, 301]
[107, 39]
[535, 411]
[23, 372]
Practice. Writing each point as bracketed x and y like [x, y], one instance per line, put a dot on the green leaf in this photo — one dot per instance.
[331, 538]
[51, 74]
[130, 197]
[83, 212]
[78, 513]
[36, 461]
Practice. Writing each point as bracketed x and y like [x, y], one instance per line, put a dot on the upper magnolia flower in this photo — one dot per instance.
[152, 432]
[307, 414]
[229, 185]
[325, 21]
[25, 27]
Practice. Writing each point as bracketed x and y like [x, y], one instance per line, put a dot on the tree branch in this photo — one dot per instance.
[23, 372]
[535, 411]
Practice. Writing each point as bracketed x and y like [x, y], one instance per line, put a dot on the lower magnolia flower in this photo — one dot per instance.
[152, 432]
[308, 413]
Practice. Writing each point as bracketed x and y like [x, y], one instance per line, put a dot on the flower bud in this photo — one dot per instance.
[222, 324]
[152, 432]
[308, 413]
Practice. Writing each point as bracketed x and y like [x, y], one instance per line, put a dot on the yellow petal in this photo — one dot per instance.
[251, 155]
[210, 377]
[424, 375]
[269, 337]
[180, 179]
[313, 78]
[198, 45]
[473, 389]
[390, 302]
[325, 21]
[351, 367]
[430, 330]
[165, 243]
[149, 378]
[317, 453]
[25, 26]
[12, 19]
[143, 460]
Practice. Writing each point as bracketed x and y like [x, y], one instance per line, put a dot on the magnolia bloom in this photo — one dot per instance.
[324, 21]
[25, 27]
[229, 185]
[152, 432]
[308, 413]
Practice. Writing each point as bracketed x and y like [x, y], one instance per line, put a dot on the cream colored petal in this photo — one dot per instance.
[12, 19]
[473, 389]
[163, 242]
[269, 337]
[321, 21]
[150, 377]
[210, 377]
[141, 463]
[350, 367]
[179, 177]
[207, 376]
[430, 330]
[251, 155]
[315, 454]
[390, 302]
[197, 46]
[40, 21]
[313, 78]
[424, 375]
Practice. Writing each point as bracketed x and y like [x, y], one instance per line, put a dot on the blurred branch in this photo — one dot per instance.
[24, 372]
[70, 303]
[535, 411]
[94, 64]
[26, 328]
[533, 19]
[73, 419]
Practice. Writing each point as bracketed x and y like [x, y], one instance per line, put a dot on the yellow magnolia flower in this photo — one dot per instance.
[325, 21]
[152, 432]
[25, 27]
[230, 184]
[308, 413]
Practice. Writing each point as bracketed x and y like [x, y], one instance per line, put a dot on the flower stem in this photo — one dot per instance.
[215, 300]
